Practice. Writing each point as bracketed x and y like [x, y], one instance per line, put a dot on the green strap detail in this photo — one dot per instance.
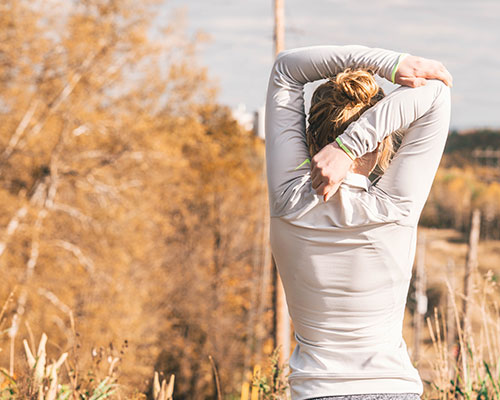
[349, 153]
[306, 161]
[394, 70]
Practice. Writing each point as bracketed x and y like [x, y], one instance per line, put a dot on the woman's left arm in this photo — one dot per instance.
[288, 168]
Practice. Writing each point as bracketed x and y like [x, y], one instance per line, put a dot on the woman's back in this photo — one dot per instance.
[346, 272]
[346, 263]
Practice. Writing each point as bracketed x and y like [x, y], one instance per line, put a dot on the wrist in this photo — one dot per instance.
[338, 143]
[396, 66]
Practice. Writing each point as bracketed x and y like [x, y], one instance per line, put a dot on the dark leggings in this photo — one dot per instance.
[374, 396]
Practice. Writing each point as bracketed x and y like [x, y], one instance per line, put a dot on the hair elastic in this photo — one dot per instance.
[400, 58]
[349, 153]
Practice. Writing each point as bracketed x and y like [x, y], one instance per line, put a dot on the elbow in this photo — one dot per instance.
[280, 74]
[441, 89]
[280, 62]
[283, 54]
[288, 68]
[283, 58]
[442, 95]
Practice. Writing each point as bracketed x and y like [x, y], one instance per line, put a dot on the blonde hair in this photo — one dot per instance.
[340, 101]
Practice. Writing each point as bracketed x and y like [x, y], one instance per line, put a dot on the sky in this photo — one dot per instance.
[463, 34]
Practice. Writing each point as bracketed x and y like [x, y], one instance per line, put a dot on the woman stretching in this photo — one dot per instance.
[344, 246]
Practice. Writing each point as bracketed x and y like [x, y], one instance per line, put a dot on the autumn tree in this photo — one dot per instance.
[132, 201]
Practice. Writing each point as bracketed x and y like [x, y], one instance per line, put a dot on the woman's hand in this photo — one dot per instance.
[330, 165]
[329, 168]
[414, 71]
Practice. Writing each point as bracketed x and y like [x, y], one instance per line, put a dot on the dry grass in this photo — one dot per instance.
[462, 368]
[61, 379]
[471, 371]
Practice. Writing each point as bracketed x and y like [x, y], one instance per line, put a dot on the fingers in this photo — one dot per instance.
[316, 181]
[445, 76]
[327, 190]
[328, 195]
[440, 72]
[419, 82]
[412, 82]
[321, 190]
[318, 177]
[414, 71]
[330, 191]
[322, 185]
[329, 166]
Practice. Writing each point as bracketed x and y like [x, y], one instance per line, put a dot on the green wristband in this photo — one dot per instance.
[394, 70]
[349, 153]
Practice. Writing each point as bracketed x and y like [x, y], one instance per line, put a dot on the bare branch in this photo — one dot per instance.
[86, 262]
[14, 140]
[102, 188]
[54, 300]
[12, 227]
[73, 212]
[52, 107]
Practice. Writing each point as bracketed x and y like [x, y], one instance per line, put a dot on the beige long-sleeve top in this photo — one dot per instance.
[346, 263]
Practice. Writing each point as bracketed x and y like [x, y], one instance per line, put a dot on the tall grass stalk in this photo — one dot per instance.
[473, 370]
[44, 380]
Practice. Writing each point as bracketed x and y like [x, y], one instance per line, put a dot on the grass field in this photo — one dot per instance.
[442, 246]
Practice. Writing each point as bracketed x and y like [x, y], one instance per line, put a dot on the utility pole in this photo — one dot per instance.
[281, 316]
[279, 26]
[471, 265]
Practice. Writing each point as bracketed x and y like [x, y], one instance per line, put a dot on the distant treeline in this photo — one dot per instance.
[460, 146]
[467, 140]
[465, 181]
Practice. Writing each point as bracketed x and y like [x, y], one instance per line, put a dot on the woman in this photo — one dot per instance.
[345, 256]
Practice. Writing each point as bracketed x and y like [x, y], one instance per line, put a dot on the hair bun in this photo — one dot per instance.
[358, 86]
[337, 103]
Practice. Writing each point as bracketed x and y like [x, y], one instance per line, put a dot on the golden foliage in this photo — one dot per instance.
[129, 195]
[456, 192]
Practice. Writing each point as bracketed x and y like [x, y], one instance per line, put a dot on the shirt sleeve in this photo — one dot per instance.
[288, 171]
[423, 114]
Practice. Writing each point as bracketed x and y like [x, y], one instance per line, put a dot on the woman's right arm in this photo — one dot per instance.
[287, 155]
[424, 113]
